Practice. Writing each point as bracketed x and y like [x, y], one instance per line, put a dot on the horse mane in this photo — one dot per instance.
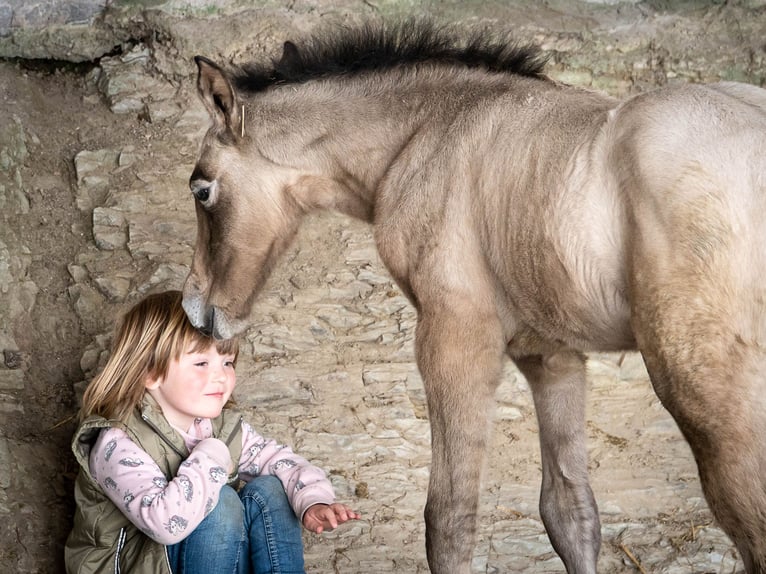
[378, 47]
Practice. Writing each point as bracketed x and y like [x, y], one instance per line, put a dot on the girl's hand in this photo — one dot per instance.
[321, 517]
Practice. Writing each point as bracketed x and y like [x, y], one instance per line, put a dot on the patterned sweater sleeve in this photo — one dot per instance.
[304, 483]
[165, 511]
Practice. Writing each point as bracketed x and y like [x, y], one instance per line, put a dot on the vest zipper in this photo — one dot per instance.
[167, 559]
[234, 432]
[183, 455]
[120, 544]
[235, 473]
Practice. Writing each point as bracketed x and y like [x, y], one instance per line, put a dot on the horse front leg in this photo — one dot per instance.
[567, 505]
[460, 357]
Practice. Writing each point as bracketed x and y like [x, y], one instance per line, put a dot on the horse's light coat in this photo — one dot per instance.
[529, 219]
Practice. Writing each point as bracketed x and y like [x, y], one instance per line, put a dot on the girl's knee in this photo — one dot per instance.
[266, 495]
[228, 514]
[265, 487]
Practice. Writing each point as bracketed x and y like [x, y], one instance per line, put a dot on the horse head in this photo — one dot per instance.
[245, 217]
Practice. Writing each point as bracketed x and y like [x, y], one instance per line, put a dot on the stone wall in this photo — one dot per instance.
[68, 30]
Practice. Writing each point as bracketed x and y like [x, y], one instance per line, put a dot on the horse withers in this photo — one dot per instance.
[523, 218]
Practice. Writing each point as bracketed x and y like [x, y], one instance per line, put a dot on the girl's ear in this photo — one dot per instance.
[151, 383]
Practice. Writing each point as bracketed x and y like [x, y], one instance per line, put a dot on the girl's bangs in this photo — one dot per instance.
[194, 340]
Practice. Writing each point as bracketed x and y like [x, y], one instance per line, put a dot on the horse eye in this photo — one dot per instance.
[202, 194]
[204, 191]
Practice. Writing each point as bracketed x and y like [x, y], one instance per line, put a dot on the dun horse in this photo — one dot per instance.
[523, 218]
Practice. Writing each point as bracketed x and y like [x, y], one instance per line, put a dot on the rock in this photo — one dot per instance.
[13, 198]
[166, 276]
[161, 238]
[9, 404]
[5, 465]
[115, 287]
[11, 379]
[88, 304]
[58, 29]
[78, 273]
[93, 169]
[109, 228]
[128, 85]
[632, 367]
[12, 359]
[19, 293]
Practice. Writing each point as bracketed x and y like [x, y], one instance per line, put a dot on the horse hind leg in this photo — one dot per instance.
[567, 505]
[706, 357]
[720, 411]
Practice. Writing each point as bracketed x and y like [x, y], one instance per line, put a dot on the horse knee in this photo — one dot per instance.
[450, 517]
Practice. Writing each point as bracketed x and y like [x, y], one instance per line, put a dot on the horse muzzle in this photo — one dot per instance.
[208, 319]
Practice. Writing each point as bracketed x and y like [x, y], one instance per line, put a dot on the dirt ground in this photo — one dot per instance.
[54, 321]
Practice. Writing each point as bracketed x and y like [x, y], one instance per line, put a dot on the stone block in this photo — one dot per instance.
[11, 379]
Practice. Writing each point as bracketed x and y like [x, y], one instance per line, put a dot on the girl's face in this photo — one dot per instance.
[197, 385]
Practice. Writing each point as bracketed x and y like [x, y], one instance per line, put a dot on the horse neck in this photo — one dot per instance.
[350, 132]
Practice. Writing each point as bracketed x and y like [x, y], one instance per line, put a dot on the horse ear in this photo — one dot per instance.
[290, 55]
[218, 95]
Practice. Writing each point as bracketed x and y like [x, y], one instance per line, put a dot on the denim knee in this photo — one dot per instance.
[228, 515]
[268, 488]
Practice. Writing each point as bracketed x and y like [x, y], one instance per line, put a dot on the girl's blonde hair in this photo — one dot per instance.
[149, 336]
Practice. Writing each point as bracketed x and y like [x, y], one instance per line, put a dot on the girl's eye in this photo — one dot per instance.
[230, 364]
[201, 364]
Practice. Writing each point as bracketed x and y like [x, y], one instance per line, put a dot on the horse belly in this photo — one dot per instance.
[578, 277]
[580, 302]
[594, 300]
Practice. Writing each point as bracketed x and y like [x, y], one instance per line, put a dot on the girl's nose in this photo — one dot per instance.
[218, 375]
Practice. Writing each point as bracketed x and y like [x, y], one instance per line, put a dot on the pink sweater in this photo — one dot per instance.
[168, 512]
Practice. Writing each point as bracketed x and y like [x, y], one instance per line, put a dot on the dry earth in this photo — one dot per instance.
[94, 212]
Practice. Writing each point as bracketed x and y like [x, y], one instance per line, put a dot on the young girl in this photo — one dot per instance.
[160, 458]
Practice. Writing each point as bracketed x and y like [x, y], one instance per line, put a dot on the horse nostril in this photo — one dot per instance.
[208, 323]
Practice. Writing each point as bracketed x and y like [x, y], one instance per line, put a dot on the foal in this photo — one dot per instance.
[523, 218]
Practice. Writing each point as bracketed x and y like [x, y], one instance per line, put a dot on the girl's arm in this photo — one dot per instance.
[165, 511]
[304, 483]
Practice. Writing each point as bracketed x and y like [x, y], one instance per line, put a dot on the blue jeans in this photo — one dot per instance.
[253, 532]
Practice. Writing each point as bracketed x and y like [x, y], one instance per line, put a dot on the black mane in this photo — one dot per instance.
[374, 47]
